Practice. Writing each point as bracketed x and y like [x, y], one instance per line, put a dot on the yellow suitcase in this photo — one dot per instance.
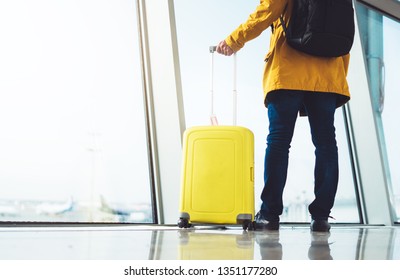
[217, 184]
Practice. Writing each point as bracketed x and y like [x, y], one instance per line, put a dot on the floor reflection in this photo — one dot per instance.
[320, 246]
[270, 247]
[200, 243]
[225, 245]
[204, 245]
[347, 243]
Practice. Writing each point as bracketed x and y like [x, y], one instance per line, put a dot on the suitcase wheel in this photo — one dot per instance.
[248, 225]
[184, 223]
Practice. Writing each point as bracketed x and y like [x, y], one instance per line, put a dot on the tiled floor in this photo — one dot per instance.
[132, 242]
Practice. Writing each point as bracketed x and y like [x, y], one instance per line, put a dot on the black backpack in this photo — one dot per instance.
[321, 27]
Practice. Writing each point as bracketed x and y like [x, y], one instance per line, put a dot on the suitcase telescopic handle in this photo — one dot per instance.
[213, 116]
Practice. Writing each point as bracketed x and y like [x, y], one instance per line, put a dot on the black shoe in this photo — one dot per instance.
[320, 225]
[262, 223]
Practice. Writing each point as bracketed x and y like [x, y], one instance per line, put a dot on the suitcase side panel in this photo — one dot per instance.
[217, 174]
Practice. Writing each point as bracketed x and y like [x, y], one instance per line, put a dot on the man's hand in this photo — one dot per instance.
[224, 49]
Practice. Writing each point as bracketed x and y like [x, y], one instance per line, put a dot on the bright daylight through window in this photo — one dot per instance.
[72, 142]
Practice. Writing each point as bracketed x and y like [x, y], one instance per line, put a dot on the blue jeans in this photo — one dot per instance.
[283, 107]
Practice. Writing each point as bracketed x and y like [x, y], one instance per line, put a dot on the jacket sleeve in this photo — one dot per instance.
[265, 14]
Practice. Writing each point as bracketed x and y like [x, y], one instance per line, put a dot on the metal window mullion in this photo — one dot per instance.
[151, 135]
[354, 165]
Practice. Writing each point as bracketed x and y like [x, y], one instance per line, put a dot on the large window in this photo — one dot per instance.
[72, 128]
[200, 26]
[381, 38]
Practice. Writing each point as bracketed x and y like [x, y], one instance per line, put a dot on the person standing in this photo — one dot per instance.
[293, 83]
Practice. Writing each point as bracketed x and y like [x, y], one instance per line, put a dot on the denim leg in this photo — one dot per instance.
[283, 107]
[321, 111]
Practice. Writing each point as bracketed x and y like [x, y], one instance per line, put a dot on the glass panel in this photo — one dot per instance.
[381, 38]
[195, 35]
[72, 142]
[299, 187]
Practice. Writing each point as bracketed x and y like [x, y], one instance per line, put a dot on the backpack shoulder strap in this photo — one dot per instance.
[283, 21]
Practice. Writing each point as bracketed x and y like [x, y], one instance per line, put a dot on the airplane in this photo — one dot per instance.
[8, 210]
[55, 208]
[136, 212]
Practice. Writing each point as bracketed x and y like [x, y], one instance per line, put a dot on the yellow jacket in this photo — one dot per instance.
[287, 68]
